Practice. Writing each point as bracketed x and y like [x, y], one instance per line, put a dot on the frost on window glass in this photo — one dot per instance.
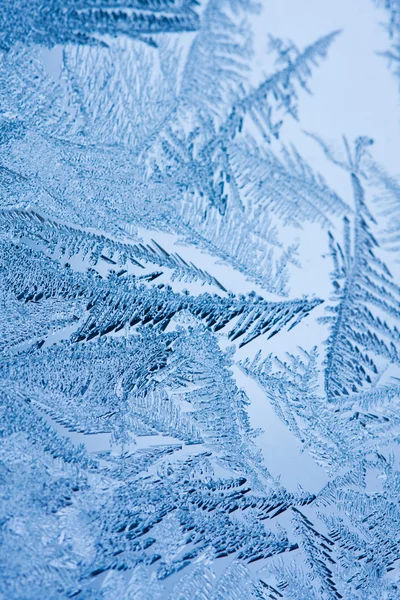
[200, 300]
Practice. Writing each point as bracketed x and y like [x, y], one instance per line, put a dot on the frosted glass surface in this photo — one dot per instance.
[199, 300]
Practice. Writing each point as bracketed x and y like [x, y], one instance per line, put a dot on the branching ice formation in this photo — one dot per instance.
[185, 414]
[87, 21]
[393, 29]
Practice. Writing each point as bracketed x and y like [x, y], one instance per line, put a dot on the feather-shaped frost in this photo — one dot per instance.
[144, 451]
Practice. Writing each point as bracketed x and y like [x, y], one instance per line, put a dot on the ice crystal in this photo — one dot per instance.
[200, 340]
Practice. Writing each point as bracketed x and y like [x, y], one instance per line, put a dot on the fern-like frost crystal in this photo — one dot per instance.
[199, 304]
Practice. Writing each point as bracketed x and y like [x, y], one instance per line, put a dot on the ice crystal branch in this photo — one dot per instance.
[86, 22]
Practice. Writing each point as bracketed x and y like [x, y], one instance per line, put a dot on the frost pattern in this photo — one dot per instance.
[200, 339]
[87, 22]
[392, 27]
